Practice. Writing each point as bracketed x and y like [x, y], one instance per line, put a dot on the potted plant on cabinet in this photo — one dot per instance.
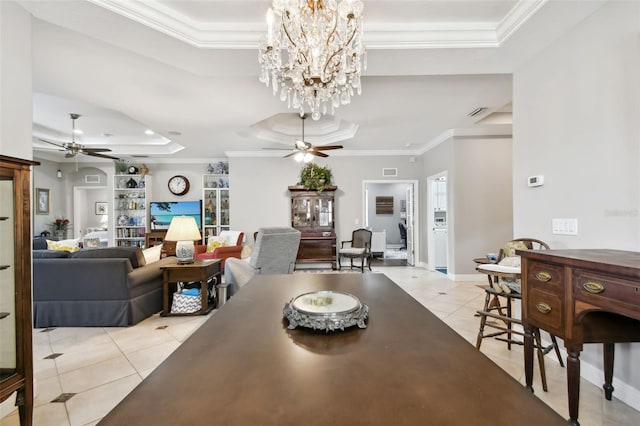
[313, 176]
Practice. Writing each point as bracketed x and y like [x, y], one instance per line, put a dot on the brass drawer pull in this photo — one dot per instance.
[593, 287]
[543, 276]
[543, 308]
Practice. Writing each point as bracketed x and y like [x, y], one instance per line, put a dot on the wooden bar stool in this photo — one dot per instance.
[502, 313]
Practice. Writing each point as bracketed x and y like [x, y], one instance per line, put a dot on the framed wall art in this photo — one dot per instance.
[43, 200]
[384, 205]
[101, 207]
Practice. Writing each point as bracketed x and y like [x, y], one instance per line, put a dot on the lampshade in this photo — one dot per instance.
[184, 230]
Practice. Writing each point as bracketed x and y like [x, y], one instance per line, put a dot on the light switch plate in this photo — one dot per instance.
[564, 226]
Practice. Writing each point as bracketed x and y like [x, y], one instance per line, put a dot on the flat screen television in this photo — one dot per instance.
[162, 212]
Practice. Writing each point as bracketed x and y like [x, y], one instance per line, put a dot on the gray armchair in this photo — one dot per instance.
[274, 252]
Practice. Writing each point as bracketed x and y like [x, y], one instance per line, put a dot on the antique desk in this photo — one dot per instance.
[581, 296]
[244, 366]
[199, 270]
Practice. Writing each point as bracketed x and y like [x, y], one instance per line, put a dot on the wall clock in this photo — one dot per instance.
[178, 185]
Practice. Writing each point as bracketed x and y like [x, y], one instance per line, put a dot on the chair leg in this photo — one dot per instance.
[509, 324]
[483, 321]
[339, 263]
[369, 261]
[543, 373]
[362, 263]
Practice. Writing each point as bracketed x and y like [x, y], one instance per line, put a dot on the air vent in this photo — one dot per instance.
[388, 172]
[92, 179]
[477, 111]
[140, 156]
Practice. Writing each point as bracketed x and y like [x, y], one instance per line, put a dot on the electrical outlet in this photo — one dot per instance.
[564, 226]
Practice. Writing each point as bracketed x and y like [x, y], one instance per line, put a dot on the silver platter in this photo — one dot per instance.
[326, 310]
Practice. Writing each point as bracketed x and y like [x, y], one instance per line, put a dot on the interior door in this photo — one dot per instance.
[410, 226]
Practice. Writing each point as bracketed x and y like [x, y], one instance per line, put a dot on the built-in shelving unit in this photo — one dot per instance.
[215, 204]
[130, 206]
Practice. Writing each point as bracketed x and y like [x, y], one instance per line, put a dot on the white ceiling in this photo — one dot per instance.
[188, 70]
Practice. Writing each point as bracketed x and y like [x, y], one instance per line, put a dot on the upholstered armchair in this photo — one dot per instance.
[274, 252]
[232, 247]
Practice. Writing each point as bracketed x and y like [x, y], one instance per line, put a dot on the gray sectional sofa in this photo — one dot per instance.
[103, 287]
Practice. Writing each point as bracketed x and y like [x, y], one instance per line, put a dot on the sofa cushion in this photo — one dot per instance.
[134, 254]
[51, 254]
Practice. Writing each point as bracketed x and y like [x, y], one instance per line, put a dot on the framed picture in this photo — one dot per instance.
[43, 200]
[101, 207]
[384, 205]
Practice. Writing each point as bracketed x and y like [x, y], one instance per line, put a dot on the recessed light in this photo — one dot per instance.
[78, 131]
[148, 132]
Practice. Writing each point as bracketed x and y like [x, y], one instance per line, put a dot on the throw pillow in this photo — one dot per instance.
[246, 252]
[152, 254]
[71, 245]
[215, 242]
[510, 248]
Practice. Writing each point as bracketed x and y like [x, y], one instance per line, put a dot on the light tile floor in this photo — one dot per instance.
[100, 366]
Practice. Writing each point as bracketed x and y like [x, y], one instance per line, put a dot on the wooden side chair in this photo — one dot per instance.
[504, 280]
[358, 247]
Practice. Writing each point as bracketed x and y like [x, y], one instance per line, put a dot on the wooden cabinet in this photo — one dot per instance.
[313, 214]
[16, 359]
[215, 204]
[130, 209]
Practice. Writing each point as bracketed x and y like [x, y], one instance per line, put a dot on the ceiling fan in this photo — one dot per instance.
[304, 151]
[72, 148]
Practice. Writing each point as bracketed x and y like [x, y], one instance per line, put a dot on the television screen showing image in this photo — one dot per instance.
[162, 212]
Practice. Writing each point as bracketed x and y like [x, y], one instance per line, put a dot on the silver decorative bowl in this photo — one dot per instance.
[326, 310]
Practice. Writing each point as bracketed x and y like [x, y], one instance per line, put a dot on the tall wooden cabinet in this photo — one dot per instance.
[16, 358]
[313, 214]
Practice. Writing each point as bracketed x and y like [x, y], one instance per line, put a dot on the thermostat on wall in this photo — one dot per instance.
[535, 180]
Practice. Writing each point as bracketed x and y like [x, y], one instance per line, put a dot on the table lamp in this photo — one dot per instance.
[183, 230]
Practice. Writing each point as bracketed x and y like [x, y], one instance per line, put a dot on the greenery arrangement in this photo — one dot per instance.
[315, 177]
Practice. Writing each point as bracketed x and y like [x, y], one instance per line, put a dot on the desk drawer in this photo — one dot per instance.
[545, 276]
[545, 311]
[605, 291]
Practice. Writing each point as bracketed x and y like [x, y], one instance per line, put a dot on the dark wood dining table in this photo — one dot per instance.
[244, 366]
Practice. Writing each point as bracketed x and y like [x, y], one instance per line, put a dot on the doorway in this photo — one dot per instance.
[438, 223]
[390, 207]
[90, 209]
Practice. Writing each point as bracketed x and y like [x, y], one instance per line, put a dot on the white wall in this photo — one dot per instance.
[259, 196]
[479, 198]
[16, 107]
[577, 122]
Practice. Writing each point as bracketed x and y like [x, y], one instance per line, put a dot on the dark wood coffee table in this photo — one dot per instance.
[245, 367]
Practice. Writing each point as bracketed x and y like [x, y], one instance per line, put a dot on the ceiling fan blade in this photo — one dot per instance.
[279, 149]
[87, 150]
[290, 154]
[327, 147]
[95, 154]
[318, 154]
[52, 143]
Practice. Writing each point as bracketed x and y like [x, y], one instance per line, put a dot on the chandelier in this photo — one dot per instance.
[312, 53]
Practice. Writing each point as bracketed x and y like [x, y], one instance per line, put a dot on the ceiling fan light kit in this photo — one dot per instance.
[312, 54]
[303, 151]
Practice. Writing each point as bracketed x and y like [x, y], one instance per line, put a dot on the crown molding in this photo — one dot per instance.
[225, 35]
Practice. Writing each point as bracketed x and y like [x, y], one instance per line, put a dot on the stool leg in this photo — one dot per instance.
[555, 347]
[509, 325]
[543, 373]
[483, 320]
